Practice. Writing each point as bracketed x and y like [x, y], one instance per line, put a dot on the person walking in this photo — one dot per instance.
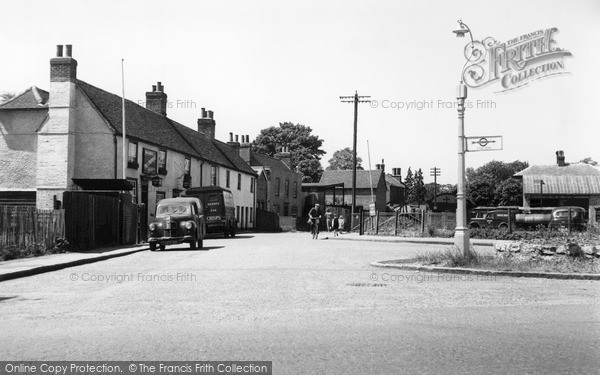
[335, 225]
[328, 219]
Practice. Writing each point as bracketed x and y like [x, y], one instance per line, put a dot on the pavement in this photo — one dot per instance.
[23, 267]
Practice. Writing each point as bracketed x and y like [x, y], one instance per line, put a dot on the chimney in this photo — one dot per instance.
[207, 124]
[382, 165]
[397, 173]
[560, 158]
[246, 149]
[156, 100]
[286, 157]
[56, 162]
[378, 166]
[234, 144]
[63, 69]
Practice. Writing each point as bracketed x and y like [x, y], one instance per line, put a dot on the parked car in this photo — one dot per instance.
[219, 208]
[560, 217]
[177, 220]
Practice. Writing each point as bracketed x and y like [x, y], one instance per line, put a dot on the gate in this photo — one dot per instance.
[99, 219]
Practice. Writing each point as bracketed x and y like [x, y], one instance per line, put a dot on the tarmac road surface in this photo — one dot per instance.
[311, 307]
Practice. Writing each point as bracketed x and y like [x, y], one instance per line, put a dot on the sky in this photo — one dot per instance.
[259, 63]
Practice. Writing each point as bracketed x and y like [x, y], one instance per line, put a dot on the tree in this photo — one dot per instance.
[6, 96]
[305, 148]
[483, 182]
[342, 160]
[419, 187]
[409, 182]
[509, 193]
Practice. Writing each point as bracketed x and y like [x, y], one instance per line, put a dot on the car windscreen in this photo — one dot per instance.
[173, 209]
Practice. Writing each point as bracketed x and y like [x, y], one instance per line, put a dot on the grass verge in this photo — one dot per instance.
[508, 262]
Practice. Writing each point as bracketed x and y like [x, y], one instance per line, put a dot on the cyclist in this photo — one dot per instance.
[314, 217]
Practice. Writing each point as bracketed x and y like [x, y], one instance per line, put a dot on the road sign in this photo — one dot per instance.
[489, 143]
[372, 211]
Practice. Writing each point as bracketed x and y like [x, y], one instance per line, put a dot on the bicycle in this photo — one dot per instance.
[314, 228]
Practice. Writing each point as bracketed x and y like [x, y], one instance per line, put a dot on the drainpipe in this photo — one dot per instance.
[116, 156]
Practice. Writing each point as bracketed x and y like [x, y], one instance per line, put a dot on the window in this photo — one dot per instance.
[287, 189]
[213, 175]
[160, 195]
[134, 195]
[227, 178]
[286, 209]
[295, 189]
[277, 186]
[276, 208]
[132, 159]
[239, 187]
[237, 212]
[252, 185]
[162, 162]
[295, 211]
[187, 166]
[149, 162]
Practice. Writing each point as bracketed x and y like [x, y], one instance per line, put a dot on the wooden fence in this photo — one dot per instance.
[28, 229]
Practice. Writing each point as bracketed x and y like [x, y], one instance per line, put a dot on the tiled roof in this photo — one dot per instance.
[391, 180]
[257, 160]
[149, 126]
[362, 178]
[573, 179]
[141, 123]
[32, 98]
[233, 157]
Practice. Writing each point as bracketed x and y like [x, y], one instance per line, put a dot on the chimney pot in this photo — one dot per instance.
[237, 137]
[210, 114]
[153, 88]
[230, 137]
[159, 86]
[560, 158]
[69, 50]
[59, 50]
[203, 112]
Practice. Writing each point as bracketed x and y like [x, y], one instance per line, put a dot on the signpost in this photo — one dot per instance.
[487, 143]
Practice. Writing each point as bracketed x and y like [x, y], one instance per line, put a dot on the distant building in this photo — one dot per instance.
[387, 190]
[562, 184]
[55, 141]
[278, 190]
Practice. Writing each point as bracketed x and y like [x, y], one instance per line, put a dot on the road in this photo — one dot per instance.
[312, 307]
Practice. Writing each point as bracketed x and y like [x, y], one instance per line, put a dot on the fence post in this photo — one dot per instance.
[509, 222]
[422, 221]
[569, 220]
[33, 223]
[361, 229]
[377, 222]
[396, 225]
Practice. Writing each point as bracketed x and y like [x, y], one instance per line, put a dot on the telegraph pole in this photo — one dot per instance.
[354, 99]
[435, 171]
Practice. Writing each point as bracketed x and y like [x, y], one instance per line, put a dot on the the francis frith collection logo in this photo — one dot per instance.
[514, 63]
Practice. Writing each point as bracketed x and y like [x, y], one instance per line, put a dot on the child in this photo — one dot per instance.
[341, 223]
[335, 225]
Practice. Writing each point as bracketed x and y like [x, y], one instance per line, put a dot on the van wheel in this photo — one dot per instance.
[163, 246]
[503, 227]
[152, 246]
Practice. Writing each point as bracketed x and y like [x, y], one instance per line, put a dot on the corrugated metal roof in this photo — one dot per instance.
[568, 184]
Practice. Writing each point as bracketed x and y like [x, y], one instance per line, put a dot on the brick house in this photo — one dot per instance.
[74, 132]
[280, 189]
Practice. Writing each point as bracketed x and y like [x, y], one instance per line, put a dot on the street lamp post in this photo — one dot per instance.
[461, 233]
